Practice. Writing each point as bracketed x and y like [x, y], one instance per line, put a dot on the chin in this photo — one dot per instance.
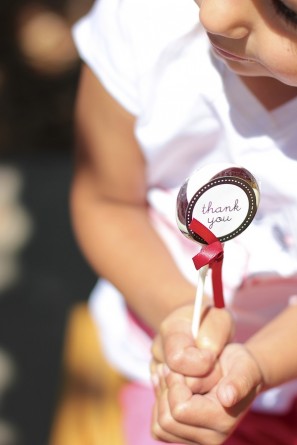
[251, 69]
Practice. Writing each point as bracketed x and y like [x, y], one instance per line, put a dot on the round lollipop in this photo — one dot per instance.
[215, 204]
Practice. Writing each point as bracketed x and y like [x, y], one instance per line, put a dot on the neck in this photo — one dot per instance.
[270, 92]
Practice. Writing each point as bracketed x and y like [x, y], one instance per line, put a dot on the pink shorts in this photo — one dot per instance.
[255, 429]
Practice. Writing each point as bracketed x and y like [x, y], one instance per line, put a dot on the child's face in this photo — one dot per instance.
[254, 37]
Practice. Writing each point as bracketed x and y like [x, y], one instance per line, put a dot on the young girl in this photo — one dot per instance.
[167, 87]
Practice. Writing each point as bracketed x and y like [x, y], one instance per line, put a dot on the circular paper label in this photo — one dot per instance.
[226, 206]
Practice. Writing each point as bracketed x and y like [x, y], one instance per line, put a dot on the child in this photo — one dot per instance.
[159, 97]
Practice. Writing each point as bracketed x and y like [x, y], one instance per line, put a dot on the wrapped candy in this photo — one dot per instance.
[215, 204]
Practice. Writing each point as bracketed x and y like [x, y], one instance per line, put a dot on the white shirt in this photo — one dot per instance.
[154, 59]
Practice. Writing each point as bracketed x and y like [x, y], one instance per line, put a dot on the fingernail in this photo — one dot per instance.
[206, 343]
[155, 379]
[229, 395]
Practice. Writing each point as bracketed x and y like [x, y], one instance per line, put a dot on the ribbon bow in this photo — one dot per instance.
[212, 255]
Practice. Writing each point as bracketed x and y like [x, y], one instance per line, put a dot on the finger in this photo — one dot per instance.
[153, 366]
[184, 406]
[182, 355]
[174, 378]
[154, 376]
[158, 378]
[216, 330]
[202, 412]
[159, 433]
[196, 385]
[202, 385]
[163, 371]
[157, 349]
[243, 378]
[176, 346]
[167, 427]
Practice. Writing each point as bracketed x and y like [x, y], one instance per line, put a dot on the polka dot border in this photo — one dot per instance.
[245, 186]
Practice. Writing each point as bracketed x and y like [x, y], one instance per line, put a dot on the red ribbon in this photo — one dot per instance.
[211, 254]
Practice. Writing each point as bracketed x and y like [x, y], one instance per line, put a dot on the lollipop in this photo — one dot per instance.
[215, 204]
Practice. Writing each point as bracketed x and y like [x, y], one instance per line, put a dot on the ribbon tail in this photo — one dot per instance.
[217, 284]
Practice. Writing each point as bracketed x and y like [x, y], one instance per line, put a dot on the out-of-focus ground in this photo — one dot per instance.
[42, 273]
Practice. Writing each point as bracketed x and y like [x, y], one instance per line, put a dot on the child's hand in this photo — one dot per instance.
[180, 416]
[175, 346]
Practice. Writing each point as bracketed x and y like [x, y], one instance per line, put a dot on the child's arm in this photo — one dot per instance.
[274, 348]
[110, 212]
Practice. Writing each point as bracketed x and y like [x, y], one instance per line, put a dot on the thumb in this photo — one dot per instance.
[242, 379]
[216, 330]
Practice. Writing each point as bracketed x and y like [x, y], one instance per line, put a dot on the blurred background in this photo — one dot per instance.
[42, 273]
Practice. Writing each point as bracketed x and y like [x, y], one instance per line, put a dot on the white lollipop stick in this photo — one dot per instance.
[198, 300]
